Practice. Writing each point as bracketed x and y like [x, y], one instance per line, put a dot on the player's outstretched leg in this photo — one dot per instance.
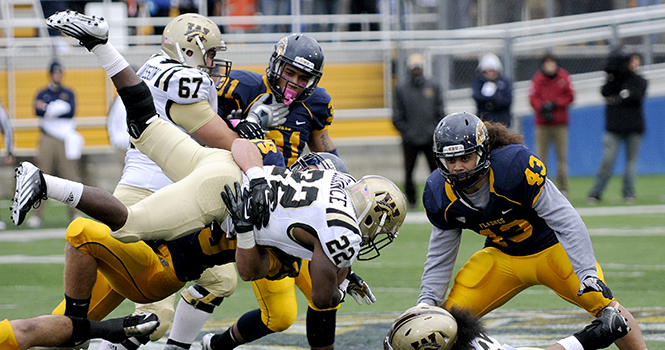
[90, 31]
[30, 191]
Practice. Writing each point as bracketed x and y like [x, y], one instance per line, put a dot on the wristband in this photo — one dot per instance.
[245, 240]
[255, 172]
[571, 343]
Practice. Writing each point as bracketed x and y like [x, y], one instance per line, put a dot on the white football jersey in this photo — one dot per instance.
[169, 82]
[316, 201]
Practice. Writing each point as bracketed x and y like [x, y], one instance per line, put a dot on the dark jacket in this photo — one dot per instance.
[555, 89]
[418, 108]
[624, 94]
[494, 108]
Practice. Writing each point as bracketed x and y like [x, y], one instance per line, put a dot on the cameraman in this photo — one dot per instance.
[624, 121]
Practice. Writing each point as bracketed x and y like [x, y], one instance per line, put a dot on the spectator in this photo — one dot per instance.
[550, 96]
[418, 109]
[8, 132]
[275, 8]
[492, 91]
[624, 121]
[60, 144]
[363, 7]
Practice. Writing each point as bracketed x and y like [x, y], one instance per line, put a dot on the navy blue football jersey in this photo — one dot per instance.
[243, 88]
[516, 179]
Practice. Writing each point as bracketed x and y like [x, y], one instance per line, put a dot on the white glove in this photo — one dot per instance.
[57, 108]
[488, 89]
[268, 115]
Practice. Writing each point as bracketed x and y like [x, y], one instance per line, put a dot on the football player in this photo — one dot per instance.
[182, 81]
[434, 328]
[65, 331]
[490, 183]
[250, 326]
[295, 112]
[351, 214]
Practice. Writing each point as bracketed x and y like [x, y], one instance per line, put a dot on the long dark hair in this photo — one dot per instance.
[500, 136]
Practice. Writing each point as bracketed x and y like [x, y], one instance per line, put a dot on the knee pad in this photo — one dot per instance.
[200, 298]
[83, 230]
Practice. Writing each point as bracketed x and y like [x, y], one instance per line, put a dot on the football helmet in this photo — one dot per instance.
[302, 52]
[380, 207]
[422, 328]
[322, 160]
[461, 134]
[190, 38]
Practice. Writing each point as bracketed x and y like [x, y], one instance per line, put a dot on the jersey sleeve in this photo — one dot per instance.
[239, 91]
[520, 176]
[320, 105]
[270, 152]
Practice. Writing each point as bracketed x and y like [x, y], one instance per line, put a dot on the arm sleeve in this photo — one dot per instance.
[441, 256]
[190, 116]
[569, 228]
[7, 130]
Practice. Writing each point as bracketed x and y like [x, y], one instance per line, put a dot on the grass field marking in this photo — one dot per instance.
[642, 232]
[29, 259]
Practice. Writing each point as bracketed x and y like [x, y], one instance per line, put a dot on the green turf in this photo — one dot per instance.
[634, 266]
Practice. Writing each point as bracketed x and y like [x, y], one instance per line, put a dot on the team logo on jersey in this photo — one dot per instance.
[461, 219]
[194, 30]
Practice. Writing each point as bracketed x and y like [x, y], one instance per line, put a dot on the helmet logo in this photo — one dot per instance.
[281, 47]
[194, 30]
[481, 136]
[304, 62]
[453, 149]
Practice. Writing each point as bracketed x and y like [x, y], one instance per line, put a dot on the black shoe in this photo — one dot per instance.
[604, 330]
[140, 325]
[90, 31]
[30, 190]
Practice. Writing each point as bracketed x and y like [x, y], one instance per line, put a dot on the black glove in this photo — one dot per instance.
[594, 284]
[249, 130]
[359, 290]
[546, 110]
[238, 207]
[261, 197]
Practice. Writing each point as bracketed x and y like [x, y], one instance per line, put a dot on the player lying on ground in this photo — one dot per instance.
[434, 328]
[65, 331]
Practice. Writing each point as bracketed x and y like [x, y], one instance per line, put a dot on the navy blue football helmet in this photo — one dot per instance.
[322, 160]
[302, 52]
[461, 134]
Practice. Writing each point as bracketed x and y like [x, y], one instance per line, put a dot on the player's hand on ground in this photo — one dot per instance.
[261, 198]
[594, 284]
[237, 205]
[359, 290]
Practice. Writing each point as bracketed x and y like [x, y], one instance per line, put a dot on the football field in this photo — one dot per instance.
[628, 242]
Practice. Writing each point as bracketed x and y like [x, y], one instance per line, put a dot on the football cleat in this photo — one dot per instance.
[30, 190]
[90, 31]
[140, 325]
[205, 341]
[604, 330]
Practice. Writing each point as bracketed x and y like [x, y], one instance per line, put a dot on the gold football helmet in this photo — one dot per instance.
[422, 328]
[191, 38]
[381, 208]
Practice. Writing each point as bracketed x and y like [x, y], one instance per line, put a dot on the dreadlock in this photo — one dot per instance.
[500, 136]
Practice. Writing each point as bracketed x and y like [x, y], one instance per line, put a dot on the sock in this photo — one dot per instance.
[76, 307]
[224, 341]
[63, 190]
[251, 326]
[187, 322]
[112, 61]
[80, 331]
[321, 327]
